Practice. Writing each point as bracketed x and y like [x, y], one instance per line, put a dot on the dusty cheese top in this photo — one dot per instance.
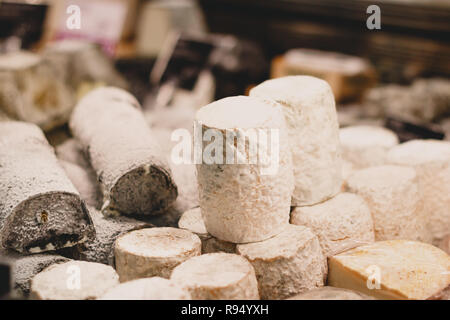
[409, 267]
[284, 245]
[212, 270]
[240, 112]
[381, 177]
[158, 242]
[192, 220]
[418, 152]
[367, 136]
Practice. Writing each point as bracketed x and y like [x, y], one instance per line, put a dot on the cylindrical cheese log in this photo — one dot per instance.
[85, 182]
[310, 112]
[396, 269]
[40, 209]
[392, 194]
[245, 189]
[74, 280]
[331, 293]
[134, 176]
[366, 146]
[154, 252]
[286, 264]
[431, 159]
[341, 223]
[192, 220]
[25, 267]
[107, 230]
[155, 288]
[31, 90]
[217, 276]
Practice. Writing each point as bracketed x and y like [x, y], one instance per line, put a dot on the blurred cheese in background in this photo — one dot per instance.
[348, 76]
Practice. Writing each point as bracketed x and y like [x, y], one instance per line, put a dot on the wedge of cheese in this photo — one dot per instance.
[396, 269]
[341, 223]
[310, 112]
[330, 293]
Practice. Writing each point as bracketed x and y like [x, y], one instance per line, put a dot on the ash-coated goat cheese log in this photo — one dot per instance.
[40, 209]
[192, 220]
[395, 202]
[331, 293]
[25, 267]
[217, 276]
[287, 264]
[74, 280]
[396, 269]
[309, 107]
[366, 146]
[154, 288]
[133, 173]
[431, 159]
[341, 223]
[107, 230]
[245, 178]
[153, 252]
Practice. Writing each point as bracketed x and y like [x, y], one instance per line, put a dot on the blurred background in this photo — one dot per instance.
[177, 55]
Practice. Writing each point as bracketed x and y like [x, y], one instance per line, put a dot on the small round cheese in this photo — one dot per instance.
[393, 196]
[309, 108]
[192, 220]
[366, 146]
[74, 280]
[341, 223]
[155, 288]
[286, 264]
[217, 276]
[244, 198]
[331, 293]
[153, 252]
[431, 159]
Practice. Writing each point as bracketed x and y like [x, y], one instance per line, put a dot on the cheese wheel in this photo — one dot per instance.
[286, 264]
[217, 276]
[155, 288]
[107, 230]
[392, 194]
[74, 280]
[330, 293]
[247, 199]
[192, 220]
[310, 112]
[40, 209]
[341, 223]
[431, 159]
[25, 267]
[396, 269]
[153, 252]
[366, 146]
[133, 173]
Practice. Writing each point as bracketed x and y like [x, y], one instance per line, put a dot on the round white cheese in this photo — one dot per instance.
[392, 194]
[153, 252]
[341, 223]
[310, 113]
[74, 280]
[217, 276]
[286, 264]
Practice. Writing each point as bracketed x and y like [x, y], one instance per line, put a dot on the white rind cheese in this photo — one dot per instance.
[245, 202]
[217, 276]
[396, 269]
[366, 146]
[431, 159]
[341, 223]
[153, 252]
[192, 220]
[74, 280]
[310, 113]
[286, 264]
[392, 194]
[154, 288]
